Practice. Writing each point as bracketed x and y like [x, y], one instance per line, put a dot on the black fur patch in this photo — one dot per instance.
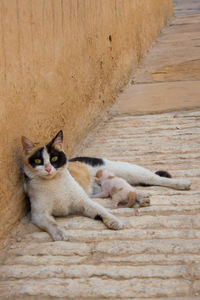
[144, 184]
[159, 173]
[163, 174]
[98, 217]
[92, 161]
[27, 178]
[62, 159]
[36, 155]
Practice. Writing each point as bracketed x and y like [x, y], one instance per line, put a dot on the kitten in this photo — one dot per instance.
[54, 192]
[116, 187]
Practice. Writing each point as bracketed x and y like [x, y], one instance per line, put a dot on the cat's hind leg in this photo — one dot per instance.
[137, 175]
[178, 184]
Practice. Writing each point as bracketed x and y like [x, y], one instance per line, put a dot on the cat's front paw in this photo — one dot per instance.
[60, 235]
[113, 223]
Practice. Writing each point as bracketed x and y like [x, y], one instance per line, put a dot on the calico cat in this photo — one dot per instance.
[54, 192]
[133, 174]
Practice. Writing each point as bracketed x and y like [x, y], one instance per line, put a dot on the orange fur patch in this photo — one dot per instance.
[132, 198]
[99, 173]
[111, 177]
[36, 146]
[115, 190]
[80, 173]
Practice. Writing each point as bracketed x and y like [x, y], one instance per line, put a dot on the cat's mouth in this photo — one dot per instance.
[48, 175]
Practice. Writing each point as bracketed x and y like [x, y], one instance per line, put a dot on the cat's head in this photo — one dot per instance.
[44, 160]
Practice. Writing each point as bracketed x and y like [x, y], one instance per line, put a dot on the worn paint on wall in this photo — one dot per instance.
[62, 62]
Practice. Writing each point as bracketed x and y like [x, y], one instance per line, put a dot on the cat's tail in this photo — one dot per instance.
[159, 173]
[163, 174]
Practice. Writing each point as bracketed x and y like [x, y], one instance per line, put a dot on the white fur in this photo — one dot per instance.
[61, 195]
[136, 175]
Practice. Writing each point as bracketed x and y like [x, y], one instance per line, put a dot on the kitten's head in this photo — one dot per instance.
[44, 160]
[103, 174]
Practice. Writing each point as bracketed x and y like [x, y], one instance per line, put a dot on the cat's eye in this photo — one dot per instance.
[38, 161]
[54, 158]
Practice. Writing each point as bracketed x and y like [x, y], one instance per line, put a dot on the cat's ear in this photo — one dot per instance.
[58, 140]
[27, 145]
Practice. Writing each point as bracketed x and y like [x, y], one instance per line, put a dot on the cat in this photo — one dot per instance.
[133, 174]
[116, 187]
[52, 190]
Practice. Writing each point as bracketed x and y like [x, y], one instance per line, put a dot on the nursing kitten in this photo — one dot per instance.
[120, 190]
[54, 192]
[116, 187]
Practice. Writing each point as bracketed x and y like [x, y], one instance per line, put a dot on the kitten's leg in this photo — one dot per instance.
[47, 223]
[96, 211]
[115, 200]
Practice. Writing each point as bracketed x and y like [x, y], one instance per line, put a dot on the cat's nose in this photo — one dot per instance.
[48, 170]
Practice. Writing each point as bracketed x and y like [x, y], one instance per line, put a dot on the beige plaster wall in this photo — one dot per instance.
[61, 64]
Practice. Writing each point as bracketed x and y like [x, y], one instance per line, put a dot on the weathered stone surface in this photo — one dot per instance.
[173, 246]
[165, 96]
[149, 259]
[50, 248]
[97, 288]
[157, 255]
[87, 271]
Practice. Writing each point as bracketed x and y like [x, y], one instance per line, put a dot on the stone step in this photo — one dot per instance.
[95, 288]
[103, 235]
[88, 271]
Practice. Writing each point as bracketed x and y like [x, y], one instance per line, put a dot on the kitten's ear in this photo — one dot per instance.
[27, 144]
[58, 140]
[99, 174]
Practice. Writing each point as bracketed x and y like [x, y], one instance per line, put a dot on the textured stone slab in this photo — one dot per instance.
[148, 222]
[167, 96]
[146, 259]
[88, 271]
[37, 260]
[126, 234]
[173, 246]
[51, 248]
[96, 288]
[157, 255]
